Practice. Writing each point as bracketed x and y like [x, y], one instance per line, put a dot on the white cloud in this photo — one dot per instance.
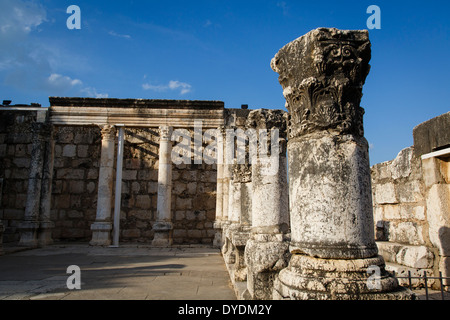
[185, 87]
[173, 85]
[19, 17]
[63, 81]
[92, 92]
[114, 34]
[158, 88]
[283, 5]
[29, 64]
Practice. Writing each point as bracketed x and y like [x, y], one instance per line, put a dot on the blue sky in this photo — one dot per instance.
[221, 50]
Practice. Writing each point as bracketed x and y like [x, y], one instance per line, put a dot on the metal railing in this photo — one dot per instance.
[425, 277]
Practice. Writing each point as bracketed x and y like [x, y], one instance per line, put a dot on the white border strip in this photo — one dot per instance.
[436, 154]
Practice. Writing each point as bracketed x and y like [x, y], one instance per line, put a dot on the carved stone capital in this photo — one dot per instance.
[267, 119]
[108, 132]
[242, 173]
[322, 74]
[165, 133]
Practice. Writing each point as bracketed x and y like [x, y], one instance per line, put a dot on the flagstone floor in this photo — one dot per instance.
[130, 272]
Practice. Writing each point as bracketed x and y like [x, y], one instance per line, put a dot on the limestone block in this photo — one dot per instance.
[385, 193]
[64, 135]
[152, 187]
[90, 187]
[401, 272]
[412, 212]
[75, 214]
[83, 151]
[135, 187]
[76, 186]
[21, 150]
[143, 202]
[192, 187]
[129, 174]
[406, 233]
[431, 172]
[69, 173]
[3, 148]
[388, 250]
[438, 213]
[69, 150]
[444, 267]
[419, 257]
[445, 170]
[183, 204]
[391, 212]
[92, 174]
[179, 233]
[22, 162]
[178, 188]
[409, 191]
[131, 233]
[141, 214]
[401, 165]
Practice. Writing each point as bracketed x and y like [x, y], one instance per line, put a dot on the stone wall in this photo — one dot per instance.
[398, 198]
[15, 159]
[75, 183]
[412, 207]
[193, 193]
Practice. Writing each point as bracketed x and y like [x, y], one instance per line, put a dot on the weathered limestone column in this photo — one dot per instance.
[101, 228]
[29, 226]
[237, 232]
[217, 242]
[45, 224]
[227, 174]
[332, 239]
[163, 226]
[267, 250]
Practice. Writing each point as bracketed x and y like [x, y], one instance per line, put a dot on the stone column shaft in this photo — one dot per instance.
[217, 242]
[45, 223]
[30, 224]
[163, 226]
[266, 252]
[101, 228]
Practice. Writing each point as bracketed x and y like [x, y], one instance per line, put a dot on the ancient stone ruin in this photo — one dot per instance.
[288, 197]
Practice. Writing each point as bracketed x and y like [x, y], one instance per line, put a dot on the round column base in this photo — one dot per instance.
[309, 278]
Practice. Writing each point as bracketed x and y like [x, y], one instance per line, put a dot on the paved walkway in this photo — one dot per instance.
[131, 272]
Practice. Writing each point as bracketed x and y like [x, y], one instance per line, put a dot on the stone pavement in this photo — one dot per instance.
[131, 272]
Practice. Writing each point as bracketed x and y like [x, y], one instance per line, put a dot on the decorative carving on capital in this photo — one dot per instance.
[108, 132]
[264, 119]
[267, 119]
[165, 133]
[242, 173]
[322, 74]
